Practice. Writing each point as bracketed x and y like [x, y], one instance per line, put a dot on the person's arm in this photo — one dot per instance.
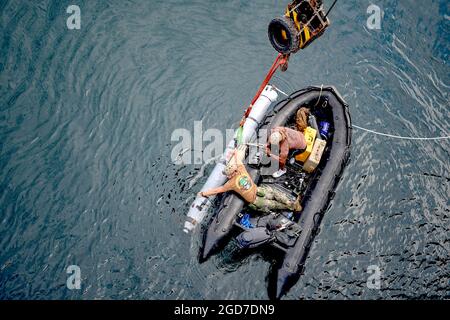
[225, 188]
[284, 151]
[213, 192]
[283, 134]
[269, 145]
[240, 154]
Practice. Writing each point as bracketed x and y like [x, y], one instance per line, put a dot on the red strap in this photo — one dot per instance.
[279, 61]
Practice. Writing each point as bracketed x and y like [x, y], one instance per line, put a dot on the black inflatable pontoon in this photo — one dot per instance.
[293, 235]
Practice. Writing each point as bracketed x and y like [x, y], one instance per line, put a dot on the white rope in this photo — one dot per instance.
[280, 91]
[399, 137]
[320, 96]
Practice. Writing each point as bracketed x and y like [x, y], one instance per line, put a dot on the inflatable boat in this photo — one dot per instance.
[290, 233]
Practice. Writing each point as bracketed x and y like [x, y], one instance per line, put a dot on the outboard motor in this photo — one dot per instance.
[253, 238]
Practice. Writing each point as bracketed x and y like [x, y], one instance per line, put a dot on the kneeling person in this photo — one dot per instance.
[287, 140]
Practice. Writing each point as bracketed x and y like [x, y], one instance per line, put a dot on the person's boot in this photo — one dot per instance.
[279, 173]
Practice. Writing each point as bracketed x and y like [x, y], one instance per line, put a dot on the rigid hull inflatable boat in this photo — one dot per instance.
[288, 232]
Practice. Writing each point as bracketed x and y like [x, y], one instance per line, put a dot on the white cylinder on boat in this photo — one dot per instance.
[259, 111]
[217, 178]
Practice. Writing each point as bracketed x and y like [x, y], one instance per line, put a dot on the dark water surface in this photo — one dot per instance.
[85, 125]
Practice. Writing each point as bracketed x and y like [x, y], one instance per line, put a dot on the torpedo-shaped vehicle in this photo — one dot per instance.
[313, 174]
[199, 208]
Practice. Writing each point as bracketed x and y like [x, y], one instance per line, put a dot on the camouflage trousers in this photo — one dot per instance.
[270, 199]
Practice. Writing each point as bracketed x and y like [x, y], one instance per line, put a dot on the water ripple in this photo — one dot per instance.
[86, 118]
